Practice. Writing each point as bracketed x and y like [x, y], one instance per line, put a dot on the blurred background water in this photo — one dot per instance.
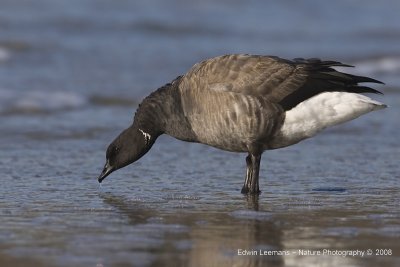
[71, 76]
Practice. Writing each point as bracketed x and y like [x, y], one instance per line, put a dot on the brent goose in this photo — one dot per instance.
[245, 103]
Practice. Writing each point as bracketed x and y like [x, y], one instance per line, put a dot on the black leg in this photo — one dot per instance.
[249, 172]
[251, 185]
[255, 161]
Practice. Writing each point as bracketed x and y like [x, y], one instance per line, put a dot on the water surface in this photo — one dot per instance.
[71, 76]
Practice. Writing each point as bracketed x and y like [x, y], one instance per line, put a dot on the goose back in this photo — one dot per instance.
[281, 81]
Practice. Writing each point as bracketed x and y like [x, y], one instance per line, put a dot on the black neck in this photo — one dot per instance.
[161, 112]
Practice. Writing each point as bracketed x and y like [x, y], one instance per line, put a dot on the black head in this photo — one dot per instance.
[128, 147]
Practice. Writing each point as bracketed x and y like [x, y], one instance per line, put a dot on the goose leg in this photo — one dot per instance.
[255, 161]
[251, 185]
[249, 171]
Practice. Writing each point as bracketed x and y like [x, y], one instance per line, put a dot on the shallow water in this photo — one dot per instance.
[71, 76]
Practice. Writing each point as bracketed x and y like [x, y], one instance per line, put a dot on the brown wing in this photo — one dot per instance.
[281, 81]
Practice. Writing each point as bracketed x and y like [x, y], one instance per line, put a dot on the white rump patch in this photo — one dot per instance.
[322, 111]
[147, 137]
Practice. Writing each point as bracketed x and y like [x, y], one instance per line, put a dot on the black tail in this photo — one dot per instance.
[321, 77]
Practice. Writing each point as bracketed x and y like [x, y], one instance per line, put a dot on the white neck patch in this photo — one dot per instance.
[147, 137]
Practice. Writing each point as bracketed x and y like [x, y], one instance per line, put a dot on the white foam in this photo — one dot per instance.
[39, 101]
[4, 54]
[381, 65]
[373, 66]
